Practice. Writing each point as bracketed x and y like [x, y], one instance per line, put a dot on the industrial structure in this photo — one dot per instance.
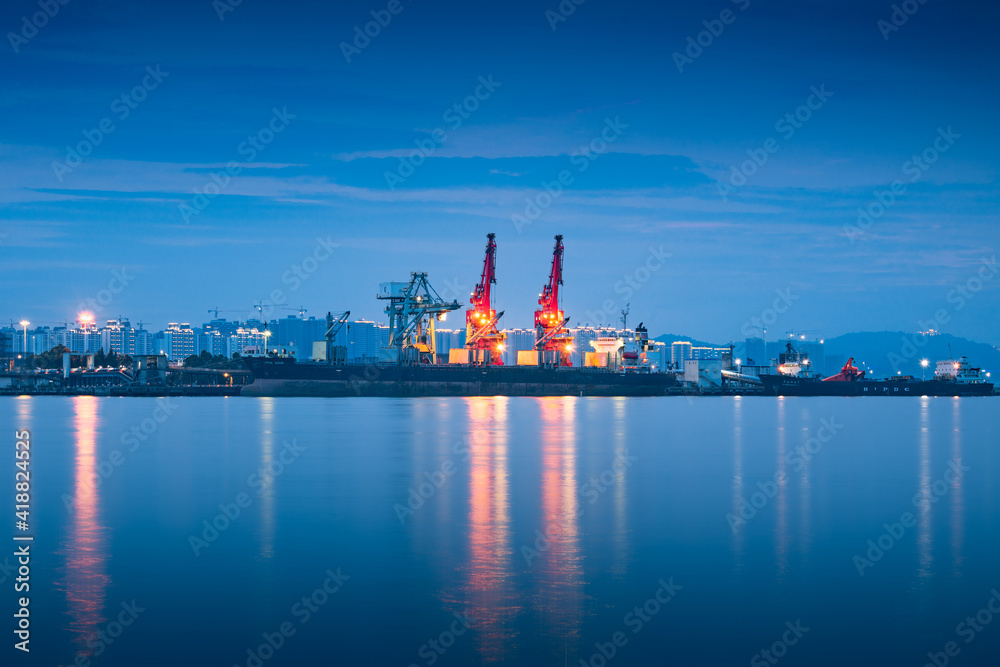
[413, 308]
[484, 342]
[552, 342]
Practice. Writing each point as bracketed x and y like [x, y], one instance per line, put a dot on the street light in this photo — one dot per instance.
[923, 365]
[25, 323]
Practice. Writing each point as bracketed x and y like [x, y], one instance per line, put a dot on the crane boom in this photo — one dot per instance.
[482, 337]
[549, 319]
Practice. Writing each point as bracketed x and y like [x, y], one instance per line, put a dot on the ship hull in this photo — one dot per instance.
[784, 385]
[285, 377]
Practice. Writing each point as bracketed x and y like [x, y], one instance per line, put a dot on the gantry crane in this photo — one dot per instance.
[550, 322]
[413, 308]
[482, 338]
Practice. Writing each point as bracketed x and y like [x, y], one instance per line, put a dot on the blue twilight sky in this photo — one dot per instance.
[663, 185]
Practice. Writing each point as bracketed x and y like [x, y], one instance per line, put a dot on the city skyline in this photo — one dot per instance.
[745, 155]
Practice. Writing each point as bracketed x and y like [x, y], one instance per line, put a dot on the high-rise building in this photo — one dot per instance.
[7, 347]
[296, 335]
[680, 351]
[178, 341]
[245, 342]
[365, 340]
[754, 353]
[118, 336]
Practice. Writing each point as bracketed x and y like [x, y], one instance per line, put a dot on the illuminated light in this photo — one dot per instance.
[739, 362]
[86, 317]
[924, 362]
[25, 323]
[569, 348]
[500, 347]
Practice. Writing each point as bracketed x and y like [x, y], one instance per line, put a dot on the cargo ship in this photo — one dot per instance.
[284, 376]
[951, 378]
[410, 365]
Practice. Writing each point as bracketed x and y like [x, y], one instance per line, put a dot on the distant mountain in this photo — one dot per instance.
[890, 351]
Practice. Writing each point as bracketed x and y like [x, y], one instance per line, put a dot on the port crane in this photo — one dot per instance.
[550, 322]
[482, 337]
[413, 308]
[336, 354]
[218, 310]
[301, 310]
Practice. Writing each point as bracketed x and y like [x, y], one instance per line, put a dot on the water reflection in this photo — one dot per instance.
[620, 533]
[738, 477]
[490, 596]
[924, 537]
[957, 491]
[86, 579]
[267, 407]
[781, 528]
[560, 567]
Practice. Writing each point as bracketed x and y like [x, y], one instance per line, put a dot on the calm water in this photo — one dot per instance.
[431, 515]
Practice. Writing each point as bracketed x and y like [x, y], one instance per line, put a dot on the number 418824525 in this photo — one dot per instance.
[22, 477]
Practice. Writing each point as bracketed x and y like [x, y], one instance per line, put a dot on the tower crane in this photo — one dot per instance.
[481, 333]
[218, 310]
[302, 310]
[550, 322]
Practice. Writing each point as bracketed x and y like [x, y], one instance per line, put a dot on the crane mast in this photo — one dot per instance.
[482, 337]
[550, 322]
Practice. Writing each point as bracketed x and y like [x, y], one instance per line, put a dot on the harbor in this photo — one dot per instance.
[621, 362]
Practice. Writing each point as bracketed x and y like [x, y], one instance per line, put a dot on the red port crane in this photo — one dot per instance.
[550, 322]
[482, 337]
